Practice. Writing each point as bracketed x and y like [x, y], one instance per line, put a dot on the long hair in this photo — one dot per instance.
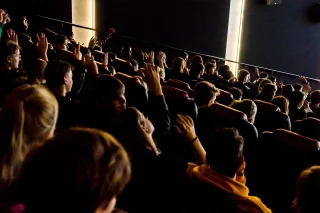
[127, 129]
[178, 65]
[27, 118]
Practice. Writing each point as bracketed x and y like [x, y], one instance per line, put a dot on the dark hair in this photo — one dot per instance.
[8, 48]
[55, 73]
[183, 55]
[272, 79]
[79, 170]
[125, 52]
[209, 66]
[287, 91]
[307, 191]
[197, 59]
[223, 69]
[135, 140]
[178, 65]
[49, 34]
[133, 62]
[224, 151]
[296, 98]
[139, 57]
[58, 39]
[282, 102]
[227, 75]
[315, 97]
[297, 87]
[236, 93]
[204, 91]
[242, 74]
[263, 75]
[310, 127]
[196, 69]
[106, 88]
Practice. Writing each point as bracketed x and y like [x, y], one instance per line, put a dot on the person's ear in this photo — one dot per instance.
[65, 80]
[8, 59]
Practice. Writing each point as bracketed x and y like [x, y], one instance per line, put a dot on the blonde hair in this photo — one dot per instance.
[28, 117]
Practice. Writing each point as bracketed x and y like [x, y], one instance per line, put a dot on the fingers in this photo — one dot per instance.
[176, 128]
[190, 120]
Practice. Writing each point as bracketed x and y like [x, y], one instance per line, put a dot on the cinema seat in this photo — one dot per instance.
[225, 98]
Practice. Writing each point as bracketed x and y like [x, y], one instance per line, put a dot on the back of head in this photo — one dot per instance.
[55, 72]
[223, 69]
[80, 170]
[58, 40]
[183, 55]
[263, 75]
[282, 102]
[205, 93]
[263, 82]
[8, 49]
[272, 79]
[106, 89]
[209, 66]
[298, 87]
[307, 191]
[287, 91]
[242, 74]
[236, 93]
[269, 89]
[196, 69]
[139, 57]
[28, 118]
[37, 69]
[248, 107]
[310, 127]
[227, 75]
[224, 151]
[296, 98]
[197, 59]
[128, 130]
[315, 97]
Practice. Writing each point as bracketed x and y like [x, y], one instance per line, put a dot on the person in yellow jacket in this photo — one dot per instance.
[225, 170]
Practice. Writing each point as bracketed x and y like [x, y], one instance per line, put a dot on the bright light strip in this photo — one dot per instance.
[83, 13]
[234, 39]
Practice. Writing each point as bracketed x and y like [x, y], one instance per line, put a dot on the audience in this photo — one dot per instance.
[53, 161]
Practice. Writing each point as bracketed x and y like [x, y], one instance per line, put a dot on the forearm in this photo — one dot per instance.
[199, 152]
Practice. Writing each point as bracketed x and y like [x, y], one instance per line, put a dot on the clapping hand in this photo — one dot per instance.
[77, 53]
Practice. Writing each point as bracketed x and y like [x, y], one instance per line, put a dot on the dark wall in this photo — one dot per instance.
[281, 37]
[196, 25]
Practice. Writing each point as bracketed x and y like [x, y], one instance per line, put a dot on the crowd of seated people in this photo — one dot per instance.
[88, 131]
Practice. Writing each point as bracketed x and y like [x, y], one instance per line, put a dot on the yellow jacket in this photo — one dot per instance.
[239, 192]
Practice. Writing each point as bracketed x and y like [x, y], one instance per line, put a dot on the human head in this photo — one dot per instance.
[248, 107]
[138, 130]
[223, 68]
[287, 91]
[225, 151]
[307, 191]
[263, 75]
[296, 100]
[236, 93]
[28, 118]
[269, 91]
[315, 100]
[108, 92]
[60, 42]
[282, 102]
[126, 52]
[139, 57]
[273, 79]
[10, 55]
[298, 87]
[262, 83]
[243, 76]
[197, 59]
[196, 70]
[36, 71]
[227, 75]
[211, 68]
[178, 65]
[205, 94]
[85, 170]
[184, 55]
[58, 74]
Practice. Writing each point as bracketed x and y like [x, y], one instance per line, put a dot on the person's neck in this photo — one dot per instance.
[5, 67]
[59, 91]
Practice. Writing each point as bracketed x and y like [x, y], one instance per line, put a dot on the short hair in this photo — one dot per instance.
[84, 170]
[196, 69]
[282, 102]
[227, 75]
[242, 74]
[106, 88]
[37, 69]
[263, 82]
[297, 87]
[177, 66]
[236, 93]
[287, 91]
[315, 97]
[272, 79]
[197, 59]
[246, 106]
[296, 98]
[309, 127]
[183, 55]
[204, 91]
[223, 69]
[58, 39]
[307, 191]
[55, 73]
[224, 151]
[209, 66]
[263, 75]
[8, 48]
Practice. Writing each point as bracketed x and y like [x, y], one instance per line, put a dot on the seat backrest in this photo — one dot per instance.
[123, 66]
[126, 79]
[266, 107]
[178, 84]
[309, 127]
[170, 91]
[227, 113]
[225, 98]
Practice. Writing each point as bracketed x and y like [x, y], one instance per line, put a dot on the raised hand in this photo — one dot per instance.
[185, 127]
[42, 46]
[77, 53]
[152, 78]
[307, 88]
[12, 35]
[151, 57]
[25, 22]
[90, 64]
[93, 41]
[105, 60]
[302, 80]
[257, 71]
[4, 17]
